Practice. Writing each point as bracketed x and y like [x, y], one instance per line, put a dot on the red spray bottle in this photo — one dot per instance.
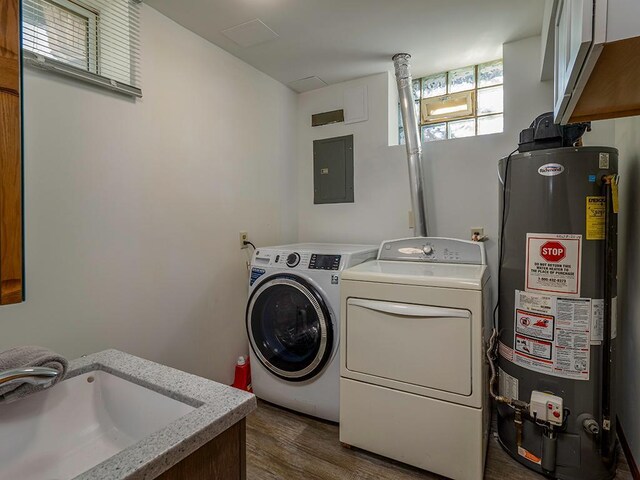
[242, 378]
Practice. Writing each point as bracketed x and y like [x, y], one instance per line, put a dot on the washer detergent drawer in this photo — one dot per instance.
[417, 344]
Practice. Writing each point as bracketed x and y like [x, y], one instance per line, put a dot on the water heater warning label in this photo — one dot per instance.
[552, 334]
[534, 324]
[553, 263]
[532, 347]
[507, 385]
[597, 319]
[595, 213]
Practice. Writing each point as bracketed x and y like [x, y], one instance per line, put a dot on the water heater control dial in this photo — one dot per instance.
[546, 407]
[428, 250]
[293, 259]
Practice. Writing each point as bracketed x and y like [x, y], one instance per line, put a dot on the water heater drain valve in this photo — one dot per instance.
[545, 407]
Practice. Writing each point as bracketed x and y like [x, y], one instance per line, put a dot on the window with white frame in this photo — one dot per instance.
[459, 103]
[93, 40]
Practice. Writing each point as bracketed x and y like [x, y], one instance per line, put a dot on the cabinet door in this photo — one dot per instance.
[11, 277]
[573, 38]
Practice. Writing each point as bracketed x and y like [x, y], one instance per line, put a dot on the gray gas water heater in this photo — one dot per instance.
[555, 343]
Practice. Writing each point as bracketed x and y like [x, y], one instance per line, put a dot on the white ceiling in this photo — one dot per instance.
[338, 40]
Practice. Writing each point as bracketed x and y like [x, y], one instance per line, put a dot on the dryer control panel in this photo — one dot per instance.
[433, 250]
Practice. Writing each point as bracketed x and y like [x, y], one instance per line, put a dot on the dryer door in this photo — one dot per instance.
[289, 327]
[420, 345]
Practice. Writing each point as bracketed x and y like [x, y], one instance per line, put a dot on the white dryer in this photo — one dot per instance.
[293, 325]
[413, 383]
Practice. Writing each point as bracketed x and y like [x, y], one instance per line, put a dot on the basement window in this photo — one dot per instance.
[96, 41]
[459, 103]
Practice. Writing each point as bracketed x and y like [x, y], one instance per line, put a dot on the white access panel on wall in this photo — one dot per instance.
[356, 104]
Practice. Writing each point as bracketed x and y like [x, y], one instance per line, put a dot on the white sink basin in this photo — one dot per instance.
[66, 430]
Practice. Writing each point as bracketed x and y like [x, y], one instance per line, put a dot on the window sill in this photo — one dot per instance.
[61, 68]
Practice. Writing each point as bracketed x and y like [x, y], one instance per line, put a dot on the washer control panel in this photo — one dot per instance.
[298, 260]
[433, 250]
[293, 259]
[324, 262]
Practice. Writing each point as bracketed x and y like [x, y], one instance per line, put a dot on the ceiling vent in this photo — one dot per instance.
[248, 34]
[307, 84]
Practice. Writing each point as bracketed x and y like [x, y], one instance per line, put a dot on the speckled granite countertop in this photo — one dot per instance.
[217, 407]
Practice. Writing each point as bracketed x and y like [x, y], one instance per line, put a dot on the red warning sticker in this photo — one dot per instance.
[539, 349]
[535, 324]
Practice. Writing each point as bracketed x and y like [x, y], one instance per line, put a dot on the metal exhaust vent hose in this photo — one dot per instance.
[412, 141]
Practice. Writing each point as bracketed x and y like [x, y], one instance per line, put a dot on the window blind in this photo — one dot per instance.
[97, 41]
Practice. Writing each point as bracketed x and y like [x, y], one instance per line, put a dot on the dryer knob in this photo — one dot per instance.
[428, 250]
[293, 259]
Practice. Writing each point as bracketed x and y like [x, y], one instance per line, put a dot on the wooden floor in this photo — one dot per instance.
[287, 446]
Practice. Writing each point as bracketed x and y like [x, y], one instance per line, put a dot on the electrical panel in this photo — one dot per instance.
[333, 170]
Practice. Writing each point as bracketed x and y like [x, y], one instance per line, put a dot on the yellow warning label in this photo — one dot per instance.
[614, 194]
[595, 218]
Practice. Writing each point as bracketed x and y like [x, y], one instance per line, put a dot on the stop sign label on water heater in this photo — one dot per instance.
[553, 263]
[553, 251]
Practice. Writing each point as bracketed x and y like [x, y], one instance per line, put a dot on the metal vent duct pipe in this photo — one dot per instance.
[412, 141]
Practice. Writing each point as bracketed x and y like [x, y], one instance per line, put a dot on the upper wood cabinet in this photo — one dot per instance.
[573, 39]
[596, 59]
[11, 233]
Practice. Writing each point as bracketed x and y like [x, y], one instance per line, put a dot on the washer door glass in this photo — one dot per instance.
[289, 328]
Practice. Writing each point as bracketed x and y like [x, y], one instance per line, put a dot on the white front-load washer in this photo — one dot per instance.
[292, 321]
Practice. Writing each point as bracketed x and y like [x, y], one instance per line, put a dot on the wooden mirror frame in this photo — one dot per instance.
[11, 226]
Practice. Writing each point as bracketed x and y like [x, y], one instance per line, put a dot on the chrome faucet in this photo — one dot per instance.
[41, 376]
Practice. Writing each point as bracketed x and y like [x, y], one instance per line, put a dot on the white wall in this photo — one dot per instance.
[461, 181]
[380, 174]
[627, 133]
[133, 208]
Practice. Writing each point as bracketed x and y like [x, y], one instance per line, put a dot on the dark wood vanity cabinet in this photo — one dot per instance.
[11, 230]
[223, 458]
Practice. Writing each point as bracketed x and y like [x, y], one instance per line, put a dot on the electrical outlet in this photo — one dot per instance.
[477, 232]
[244, 236]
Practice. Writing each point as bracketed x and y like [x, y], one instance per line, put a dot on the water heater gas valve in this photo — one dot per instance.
[546, 407]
